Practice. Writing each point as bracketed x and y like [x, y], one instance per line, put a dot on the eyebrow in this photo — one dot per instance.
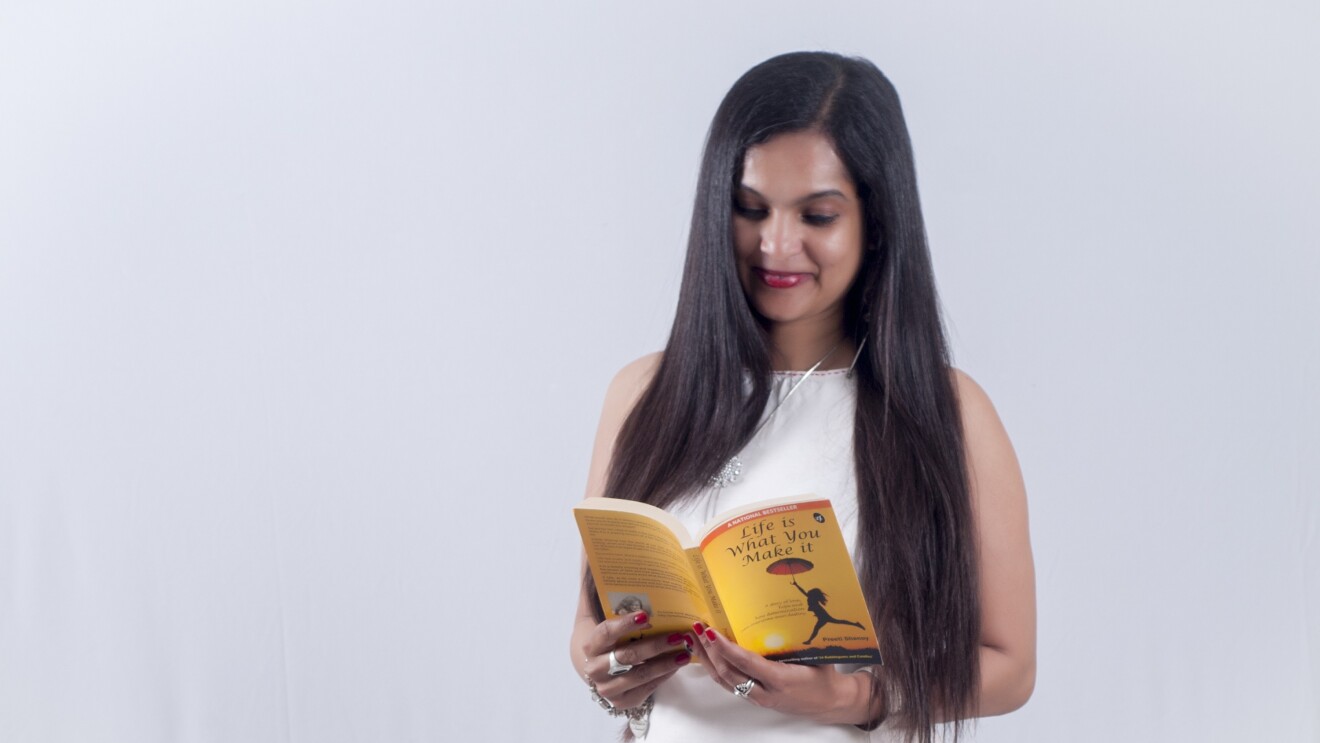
[804, 199]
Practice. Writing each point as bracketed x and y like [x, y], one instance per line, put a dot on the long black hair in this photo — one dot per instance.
[916, 545]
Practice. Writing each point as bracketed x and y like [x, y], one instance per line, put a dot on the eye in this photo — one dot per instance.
[819, 220]
[748, 212]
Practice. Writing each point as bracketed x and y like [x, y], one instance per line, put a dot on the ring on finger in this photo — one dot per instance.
[744, 690]
[617, 668]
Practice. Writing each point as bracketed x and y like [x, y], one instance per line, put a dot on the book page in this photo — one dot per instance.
[717, 617]
[639, 565]
[788, 585]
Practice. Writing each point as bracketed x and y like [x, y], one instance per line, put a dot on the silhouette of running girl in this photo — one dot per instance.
[816, 600]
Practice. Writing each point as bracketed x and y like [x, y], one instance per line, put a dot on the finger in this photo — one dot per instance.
[699, 654]
[637, 654]
[737, 672]
[629, 690]
[634, 653]
[720, 669]
[608, 633]
[742, 664]
[737, 666]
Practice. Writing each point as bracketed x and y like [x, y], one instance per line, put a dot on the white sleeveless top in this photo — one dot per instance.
[805, 447]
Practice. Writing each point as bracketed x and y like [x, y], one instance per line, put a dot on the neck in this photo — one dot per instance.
[798, 346]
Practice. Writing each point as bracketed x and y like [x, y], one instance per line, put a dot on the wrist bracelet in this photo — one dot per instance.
[639, 717]
[893, 700]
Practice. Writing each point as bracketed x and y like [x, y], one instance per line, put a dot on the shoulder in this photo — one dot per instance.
[992, 464]
[629, 384]
[624, 391]
[972, 399]
[639, 372]
[979, 417]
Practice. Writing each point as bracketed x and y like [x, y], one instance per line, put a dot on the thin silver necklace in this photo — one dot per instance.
[732, 470]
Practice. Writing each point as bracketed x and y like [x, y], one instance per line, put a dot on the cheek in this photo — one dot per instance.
[746, 240]
[844, 259]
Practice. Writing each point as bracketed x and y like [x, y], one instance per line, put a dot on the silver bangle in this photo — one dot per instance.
[639, 717]
[893, 699]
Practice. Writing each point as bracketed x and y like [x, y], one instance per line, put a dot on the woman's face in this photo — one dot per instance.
[797, 230]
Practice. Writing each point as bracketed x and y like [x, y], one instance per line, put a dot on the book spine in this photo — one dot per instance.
[718, 618]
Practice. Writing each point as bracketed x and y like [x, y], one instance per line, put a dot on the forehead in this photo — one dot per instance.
[788, 165]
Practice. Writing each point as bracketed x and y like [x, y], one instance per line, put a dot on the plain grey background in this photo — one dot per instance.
[307, 311]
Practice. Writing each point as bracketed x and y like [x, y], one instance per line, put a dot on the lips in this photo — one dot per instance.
[780, 279]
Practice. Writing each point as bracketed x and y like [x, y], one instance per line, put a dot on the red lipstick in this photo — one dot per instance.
[779, 279]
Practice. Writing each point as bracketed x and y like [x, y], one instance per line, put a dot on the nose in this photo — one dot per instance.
[780, 235]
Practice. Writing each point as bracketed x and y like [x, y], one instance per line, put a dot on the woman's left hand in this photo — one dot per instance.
[819, 693]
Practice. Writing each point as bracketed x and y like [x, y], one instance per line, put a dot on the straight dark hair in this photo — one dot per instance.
[916, 546]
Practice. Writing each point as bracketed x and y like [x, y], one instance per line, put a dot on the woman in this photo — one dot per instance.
[808, 355]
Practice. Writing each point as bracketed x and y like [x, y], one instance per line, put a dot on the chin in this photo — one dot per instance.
[776, 314]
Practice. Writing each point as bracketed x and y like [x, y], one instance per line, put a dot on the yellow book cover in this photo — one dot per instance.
[776, 576]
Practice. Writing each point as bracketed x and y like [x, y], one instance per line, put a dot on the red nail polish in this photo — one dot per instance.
[682, 659]
[687, 640]
[698, 627]
[674, 639]
[640, 618]
[710, 635]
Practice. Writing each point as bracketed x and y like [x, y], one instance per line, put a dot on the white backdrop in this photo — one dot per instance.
[306, 312]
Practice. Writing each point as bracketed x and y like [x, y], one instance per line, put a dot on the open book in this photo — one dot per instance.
[775, 577]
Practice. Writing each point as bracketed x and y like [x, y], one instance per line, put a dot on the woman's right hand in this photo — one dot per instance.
[653, 659]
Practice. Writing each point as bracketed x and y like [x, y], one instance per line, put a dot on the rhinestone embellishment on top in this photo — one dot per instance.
[728, 474]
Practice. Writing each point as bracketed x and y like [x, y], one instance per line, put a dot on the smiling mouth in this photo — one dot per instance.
[779, 279]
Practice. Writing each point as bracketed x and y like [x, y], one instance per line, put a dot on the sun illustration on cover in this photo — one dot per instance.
[816, 598]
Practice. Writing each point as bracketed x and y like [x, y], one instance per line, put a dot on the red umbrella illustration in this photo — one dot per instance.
[789, 566]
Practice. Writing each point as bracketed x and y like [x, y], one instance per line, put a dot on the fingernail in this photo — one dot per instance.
[687, 640]
[675, 638]
[682, 659]
[640, 618]
[698, 627]
[710, 635]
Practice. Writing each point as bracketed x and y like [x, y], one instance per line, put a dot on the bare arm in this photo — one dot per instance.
[590, 641]
[1005, 566]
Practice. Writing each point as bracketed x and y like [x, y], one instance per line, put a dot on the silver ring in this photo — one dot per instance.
[744, 689]
[617, 668]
